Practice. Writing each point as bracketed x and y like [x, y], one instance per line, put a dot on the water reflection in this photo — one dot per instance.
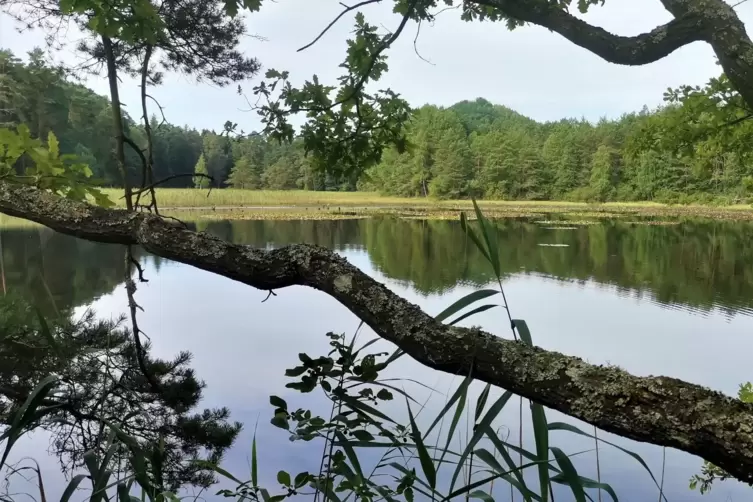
[578, 300]
[692, 265]
[697, 265]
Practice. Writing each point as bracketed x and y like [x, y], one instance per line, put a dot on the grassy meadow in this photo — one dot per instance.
[301, 204]
[191, 198]
[197, 204]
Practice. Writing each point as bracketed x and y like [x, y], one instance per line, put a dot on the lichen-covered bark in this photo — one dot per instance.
[659, 410]
[712, 21]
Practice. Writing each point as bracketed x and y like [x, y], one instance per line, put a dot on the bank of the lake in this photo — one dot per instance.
[234, 204]
[229, 203]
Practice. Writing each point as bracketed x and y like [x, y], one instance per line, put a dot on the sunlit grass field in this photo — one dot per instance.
[228, 197]
[200, 204]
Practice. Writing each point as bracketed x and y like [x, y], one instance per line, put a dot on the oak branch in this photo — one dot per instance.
[659, 410]
[711, 21]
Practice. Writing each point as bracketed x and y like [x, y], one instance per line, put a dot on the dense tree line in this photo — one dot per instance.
[485, 150]
[688, 150]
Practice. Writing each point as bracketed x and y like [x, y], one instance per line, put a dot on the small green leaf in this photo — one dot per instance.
[294, 372]
[350, 452]
[523, 331]
[301, 478]
[588, 483]
[216, 468]
[481, 402]
[541, 436]
[478, 494]
[363, 435]
[363, 408]
[384, 395]
[254, 463]
[278, 402]
[477, 310]
[427, 465]
[464, 302]
[490, 236]
[280, 420]
[570, 475]
[231, 7]
[72, 486]
[283, 478]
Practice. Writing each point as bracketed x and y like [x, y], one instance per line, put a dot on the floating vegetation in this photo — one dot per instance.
[654, 222]
[601, 214]
[569, 222]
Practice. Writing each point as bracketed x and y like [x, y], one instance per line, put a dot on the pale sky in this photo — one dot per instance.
[530, 70]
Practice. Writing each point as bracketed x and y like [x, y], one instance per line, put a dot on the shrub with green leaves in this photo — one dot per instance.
[24, 159]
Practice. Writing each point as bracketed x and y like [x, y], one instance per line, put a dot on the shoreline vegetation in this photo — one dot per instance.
[193, 204]
[228, 203]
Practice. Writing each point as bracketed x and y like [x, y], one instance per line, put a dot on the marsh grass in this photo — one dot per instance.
[301, 204]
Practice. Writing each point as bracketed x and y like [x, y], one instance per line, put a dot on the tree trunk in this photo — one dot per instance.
[147, 176]
[659, 410]
[117, 117]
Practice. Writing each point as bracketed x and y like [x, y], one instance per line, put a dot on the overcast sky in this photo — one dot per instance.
[531, 70]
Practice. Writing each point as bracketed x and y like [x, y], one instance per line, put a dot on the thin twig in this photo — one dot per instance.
[174, 176]
[161, 111]
[415, 45]
[334, 21]
[271, 293]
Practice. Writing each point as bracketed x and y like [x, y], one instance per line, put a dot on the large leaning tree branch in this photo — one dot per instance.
[711, 21]
[636, 50]
[659, 410]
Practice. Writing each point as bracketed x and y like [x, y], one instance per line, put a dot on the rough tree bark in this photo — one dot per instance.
[711, 21]
[659, 410]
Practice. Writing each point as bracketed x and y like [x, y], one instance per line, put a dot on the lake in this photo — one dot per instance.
[672, 299]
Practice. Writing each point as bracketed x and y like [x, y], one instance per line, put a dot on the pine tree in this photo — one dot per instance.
[244, 174]
[283, 174]
[201, 168]
[602, 179]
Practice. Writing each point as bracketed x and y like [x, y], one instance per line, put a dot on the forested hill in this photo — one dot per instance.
[696, 148]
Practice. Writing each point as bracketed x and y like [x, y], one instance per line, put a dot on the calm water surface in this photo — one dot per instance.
[654, 299]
